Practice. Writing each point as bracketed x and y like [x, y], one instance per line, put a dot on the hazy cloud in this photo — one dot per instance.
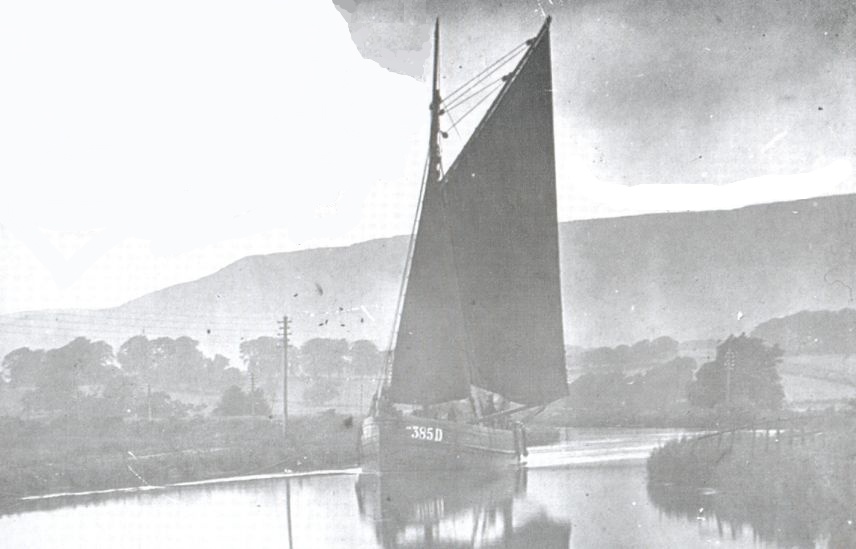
[669, 91]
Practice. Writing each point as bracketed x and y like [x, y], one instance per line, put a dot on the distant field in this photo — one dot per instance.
[806, 390]
[835, 367]
[818, 378]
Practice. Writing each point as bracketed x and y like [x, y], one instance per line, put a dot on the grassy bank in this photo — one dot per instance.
[792, 485]
[66, 455]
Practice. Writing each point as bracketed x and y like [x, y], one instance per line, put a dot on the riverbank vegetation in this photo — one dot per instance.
[792, 482]
[83, 417]
[68, 454]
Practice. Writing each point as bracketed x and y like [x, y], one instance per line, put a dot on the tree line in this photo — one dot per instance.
[640, 354]
[742, 376]
[89, 376]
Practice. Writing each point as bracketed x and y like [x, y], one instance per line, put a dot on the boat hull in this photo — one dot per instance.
[409, 443]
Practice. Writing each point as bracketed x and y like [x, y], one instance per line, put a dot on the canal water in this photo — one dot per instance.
[590, 491]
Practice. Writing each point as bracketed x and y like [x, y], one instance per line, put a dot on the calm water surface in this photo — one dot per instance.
[590, 492]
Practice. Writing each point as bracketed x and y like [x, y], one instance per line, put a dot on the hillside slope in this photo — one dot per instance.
[688, 275]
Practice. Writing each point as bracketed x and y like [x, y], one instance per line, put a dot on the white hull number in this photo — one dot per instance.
[425, 433]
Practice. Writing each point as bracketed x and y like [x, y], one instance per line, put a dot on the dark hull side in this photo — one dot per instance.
[397, 444]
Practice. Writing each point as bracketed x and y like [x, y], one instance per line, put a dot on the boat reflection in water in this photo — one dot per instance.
[446, 510]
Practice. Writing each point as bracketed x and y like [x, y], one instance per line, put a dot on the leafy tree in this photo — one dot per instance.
[661, 349]
[181, 362]
[323, 357]
[742, 375]
[23, 367]
[295, 361]
[232, 376]
[66, 369]
[599, 391]
[263, 358]
[215, 366]
[235, 402]
[136, 356]
[662, 386]
[609, 357]
[215, 369]
[641, 353]
[177, 362]
[172, 363]
[88, 362]
[365, 357]
[121, 395]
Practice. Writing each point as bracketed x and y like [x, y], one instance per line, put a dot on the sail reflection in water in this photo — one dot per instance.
[446, 510]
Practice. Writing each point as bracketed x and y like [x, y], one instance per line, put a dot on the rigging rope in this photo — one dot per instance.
[474, 107]
[387, 370]
[490, 69]
[458, 102]
[446, 134]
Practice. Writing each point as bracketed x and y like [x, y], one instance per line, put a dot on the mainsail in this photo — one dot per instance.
[483, 298]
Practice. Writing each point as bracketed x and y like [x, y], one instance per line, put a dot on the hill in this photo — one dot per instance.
[812, 332]
[692, 275]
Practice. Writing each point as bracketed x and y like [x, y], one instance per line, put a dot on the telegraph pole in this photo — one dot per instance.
[253, 396]
[149, 401]
[729, 368]
[283, 326]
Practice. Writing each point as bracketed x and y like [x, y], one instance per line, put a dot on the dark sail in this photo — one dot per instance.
[500, 196]
[429, 361]
[483, 301]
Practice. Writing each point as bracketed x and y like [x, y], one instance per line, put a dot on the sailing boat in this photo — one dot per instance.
[480, 306]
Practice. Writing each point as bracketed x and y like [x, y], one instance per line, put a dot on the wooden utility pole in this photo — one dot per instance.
[729, 368]
[149, 402]
[283, 326]
[252, 395]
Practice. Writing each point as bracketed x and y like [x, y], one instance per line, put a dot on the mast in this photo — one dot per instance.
[427, 363]
[434, 159]
[430, 179]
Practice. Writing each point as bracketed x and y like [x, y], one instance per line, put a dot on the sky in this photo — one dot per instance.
[146, 144]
